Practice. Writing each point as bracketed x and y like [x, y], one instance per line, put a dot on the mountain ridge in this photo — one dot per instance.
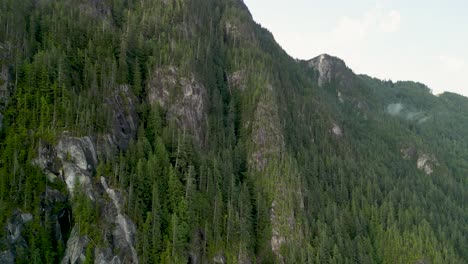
[175, 131]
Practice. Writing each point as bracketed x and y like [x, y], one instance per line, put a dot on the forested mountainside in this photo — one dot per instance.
[179, 131]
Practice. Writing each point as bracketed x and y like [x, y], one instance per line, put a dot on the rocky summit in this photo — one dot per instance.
[179, 131]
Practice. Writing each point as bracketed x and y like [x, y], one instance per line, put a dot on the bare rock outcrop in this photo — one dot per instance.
[329, 68]
[74, 160]
[238, 80]
[124, 116]
[75, 252]
[119, 246]
[266, 132]
[424, 161]
[14, 240]
[182, 96]
[124, 231]
[337, 130]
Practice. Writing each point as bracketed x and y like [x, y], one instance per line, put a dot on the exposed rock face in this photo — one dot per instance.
[124, 116]
[284, 229]
[105, 256]
[15, 226]
[408, 153]
[125, 230]
[196, 254]
[184, 98]
[277, 239]
[268, 145]
[56, 206]
[266, 132]
[237, 80]
[220, 259]
[119, 248]
[340, 97]
[79, 151]
[53, 207]
[237, 28]
[329, 68]
[337, 131]
[14, 241]
[76, 248]
[426, 163]
[7, 257]
[232, 29]
[47, 158]
[73, 159]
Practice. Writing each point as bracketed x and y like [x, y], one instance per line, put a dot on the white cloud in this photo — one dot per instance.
[391, 22]
[357, 29]
[350, 29]
[450, 63]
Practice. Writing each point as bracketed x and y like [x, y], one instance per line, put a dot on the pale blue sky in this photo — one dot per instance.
[425, 41]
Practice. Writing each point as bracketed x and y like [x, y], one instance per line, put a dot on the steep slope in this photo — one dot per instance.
[173, 131]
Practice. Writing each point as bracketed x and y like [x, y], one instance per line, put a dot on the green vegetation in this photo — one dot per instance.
[265, 179]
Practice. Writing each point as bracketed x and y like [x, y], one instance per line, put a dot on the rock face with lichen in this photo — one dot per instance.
[14, 240]
[238, 80]
[74, 160]
[426, 163]
[266, 132]
[337, 131]
[56, 214]
[329, 68]
[182, 96]
[267, 159]
[122, 104]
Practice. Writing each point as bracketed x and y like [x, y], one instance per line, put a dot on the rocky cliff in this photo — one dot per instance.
[175, 131]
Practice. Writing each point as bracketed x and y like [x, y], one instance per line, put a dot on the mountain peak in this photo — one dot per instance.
[328, 68]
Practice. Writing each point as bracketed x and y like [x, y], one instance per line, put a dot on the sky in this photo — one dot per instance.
[417, 40]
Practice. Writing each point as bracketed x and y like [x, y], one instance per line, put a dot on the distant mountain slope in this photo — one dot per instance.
[176, 131]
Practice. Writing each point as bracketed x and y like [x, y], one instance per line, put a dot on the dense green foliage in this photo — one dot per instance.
[333, 199]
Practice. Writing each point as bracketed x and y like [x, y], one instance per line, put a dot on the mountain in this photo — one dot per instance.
[179, 131]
